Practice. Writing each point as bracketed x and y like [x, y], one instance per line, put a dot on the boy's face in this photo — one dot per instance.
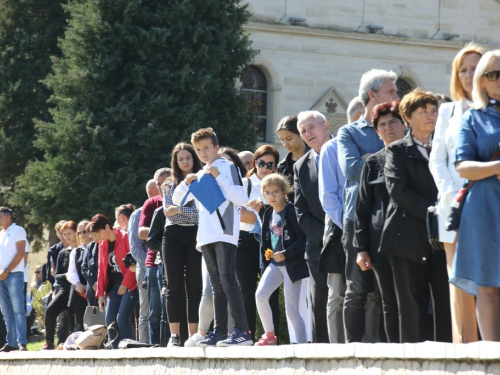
[206, 150]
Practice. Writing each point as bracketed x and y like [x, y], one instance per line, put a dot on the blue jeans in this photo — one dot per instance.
[220, 258]
[12, 301]
[118, 309]
[154, 279]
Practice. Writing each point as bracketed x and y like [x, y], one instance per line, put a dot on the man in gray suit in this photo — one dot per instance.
[314, 130]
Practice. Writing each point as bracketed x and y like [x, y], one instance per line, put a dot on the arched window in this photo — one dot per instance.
[254, 86]
[403, 86]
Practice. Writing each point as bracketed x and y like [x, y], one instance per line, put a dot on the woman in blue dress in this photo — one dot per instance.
[477, 260]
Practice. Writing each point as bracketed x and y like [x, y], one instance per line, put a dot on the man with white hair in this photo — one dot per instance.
[246, 158]
[355, 110]
[314, 130]
[356, 142]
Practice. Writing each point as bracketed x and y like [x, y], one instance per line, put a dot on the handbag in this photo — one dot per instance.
[457, 204]
[93, 316]
[433, 229]
[94, 336]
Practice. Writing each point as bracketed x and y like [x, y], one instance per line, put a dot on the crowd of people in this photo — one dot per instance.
[340, 221]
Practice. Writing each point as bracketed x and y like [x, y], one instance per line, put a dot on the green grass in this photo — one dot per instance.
[35, 346]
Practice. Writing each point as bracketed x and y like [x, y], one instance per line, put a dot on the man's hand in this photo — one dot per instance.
[190, 178]
[255, 204]
[4, 274]
[102, 303]
[132, 268]
[214, 171]
[364, 261]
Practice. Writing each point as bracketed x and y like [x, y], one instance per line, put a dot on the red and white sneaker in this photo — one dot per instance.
[267, 339]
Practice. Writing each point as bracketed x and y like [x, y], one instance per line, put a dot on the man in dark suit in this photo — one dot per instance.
[314, 130]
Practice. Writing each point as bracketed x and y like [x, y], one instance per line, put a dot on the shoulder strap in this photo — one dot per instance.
[249, 187]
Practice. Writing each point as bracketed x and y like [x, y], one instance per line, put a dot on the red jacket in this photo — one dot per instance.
[121, 249]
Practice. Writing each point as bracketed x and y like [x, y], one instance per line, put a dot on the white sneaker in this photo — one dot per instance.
[193, 340]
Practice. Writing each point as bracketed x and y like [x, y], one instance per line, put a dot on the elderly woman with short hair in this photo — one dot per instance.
[417, 270]
[477, 259]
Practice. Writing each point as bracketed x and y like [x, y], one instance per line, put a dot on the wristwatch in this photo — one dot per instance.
[7, 270]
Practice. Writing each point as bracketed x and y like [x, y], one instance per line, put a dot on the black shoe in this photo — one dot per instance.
[23, 348]
[175, 341]
[6, 348]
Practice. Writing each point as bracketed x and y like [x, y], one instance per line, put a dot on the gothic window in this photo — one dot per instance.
[254, 86]
[403, 86]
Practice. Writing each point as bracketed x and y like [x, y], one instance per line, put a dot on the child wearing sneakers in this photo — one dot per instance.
[281, 236]
[217, 238]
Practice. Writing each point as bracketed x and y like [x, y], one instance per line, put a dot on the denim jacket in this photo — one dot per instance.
[355, 140]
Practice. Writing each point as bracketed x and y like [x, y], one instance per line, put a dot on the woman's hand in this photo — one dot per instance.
[80, 289]
[255, 204]
[189, 178]
[122, 290]
[364, 261]
[170, 210]
[102, 303]
[279, 257]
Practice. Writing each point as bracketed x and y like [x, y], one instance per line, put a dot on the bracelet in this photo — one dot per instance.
[178, 209]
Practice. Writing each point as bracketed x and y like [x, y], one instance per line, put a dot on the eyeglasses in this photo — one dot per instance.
[82, 232]
[273, 193]
[493, 75]
[270, 165]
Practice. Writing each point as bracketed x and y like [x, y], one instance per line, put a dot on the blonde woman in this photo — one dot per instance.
[475, 268]
[442, 166]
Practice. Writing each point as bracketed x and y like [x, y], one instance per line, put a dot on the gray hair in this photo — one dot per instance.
[372, 80]
[161, 172]
[306, 114]
[356, 105]
[479, 95]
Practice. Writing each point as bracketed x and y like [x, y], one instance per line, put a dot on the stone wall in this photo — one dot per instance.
[356, 359]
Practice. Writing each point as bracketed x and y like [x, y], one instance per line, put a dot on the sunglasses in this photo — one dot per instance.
[270, 165]
[493, 75]
[82, 232]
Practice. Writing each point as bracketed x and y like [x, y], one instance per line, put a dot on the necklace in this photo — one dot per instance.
[426, 145]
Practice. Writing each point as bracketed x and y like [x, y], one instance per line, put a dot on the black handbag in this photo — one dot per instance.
[433, 229]
[457, 205]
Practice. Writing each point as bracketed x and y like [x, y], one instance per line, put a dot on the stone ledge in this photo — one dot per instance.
[428, 351]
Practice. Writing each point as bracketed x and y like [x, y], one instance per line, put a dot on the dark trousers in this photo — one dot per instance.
[385, 280]
[421, 290]
[58, 305]
[220, 258]
[154, 286]
[362, 299]
[179, 255]
[318, 289]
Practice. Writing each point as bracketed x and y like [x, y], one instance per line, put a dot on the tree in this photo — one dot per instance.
[29, 32]
[135, 78]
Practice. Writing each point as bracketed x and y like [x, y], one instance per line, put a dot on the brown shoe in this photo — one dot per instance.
[6, 348]
[23, 348]
[49, 345]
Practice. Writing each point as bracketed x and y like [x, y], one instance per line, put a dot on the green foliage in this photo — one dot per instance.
[36, 301]
[29, 30]
[135, 77]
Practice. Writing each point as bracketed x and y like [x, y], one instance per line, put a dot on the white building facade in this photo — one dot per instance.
[312, 53]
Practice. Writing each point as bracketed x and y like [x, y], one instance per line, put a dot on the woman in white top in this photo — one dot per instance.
[442, 166]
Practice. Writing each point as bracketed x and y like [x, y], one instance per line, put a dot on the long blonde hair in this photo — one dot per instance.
[456, 89]
[479, 96]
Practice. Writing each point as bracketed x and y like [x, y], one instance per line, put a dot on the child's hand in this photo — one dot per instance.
[190, 178]
[255, 204]
[278, 257]
[268, 254]
[214, 171]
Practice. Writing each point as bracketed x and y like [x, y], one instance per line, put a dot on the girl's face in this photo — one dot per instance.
[185, 161]
[83, 234]
[291, 141]
[69, 236]
[265, 165]
[274, 195]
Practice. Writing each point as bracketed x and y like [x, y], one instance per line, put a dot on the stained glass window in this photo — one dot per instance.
[403, 87]
[254, 86]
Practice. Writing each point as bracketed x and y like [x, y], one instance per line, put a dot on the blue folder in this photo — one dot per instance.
[207, 191]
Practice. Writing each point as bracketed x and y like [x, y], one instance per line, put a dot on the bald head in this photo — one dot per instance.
[246, 157]
[152, 188]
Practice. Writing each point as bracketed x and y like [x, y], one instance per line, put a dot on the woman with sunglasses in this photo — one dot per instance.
[475, 268]
[264, 163]
[448, 182]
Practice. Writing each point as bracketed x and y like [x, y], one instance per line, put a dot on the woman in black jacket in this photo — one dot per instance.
[371, 208]
[412, 190]
[68, 272]
[283, 248]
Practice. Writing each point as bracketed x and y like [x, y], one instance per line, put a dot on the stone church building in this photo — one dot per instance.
[312, 53]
